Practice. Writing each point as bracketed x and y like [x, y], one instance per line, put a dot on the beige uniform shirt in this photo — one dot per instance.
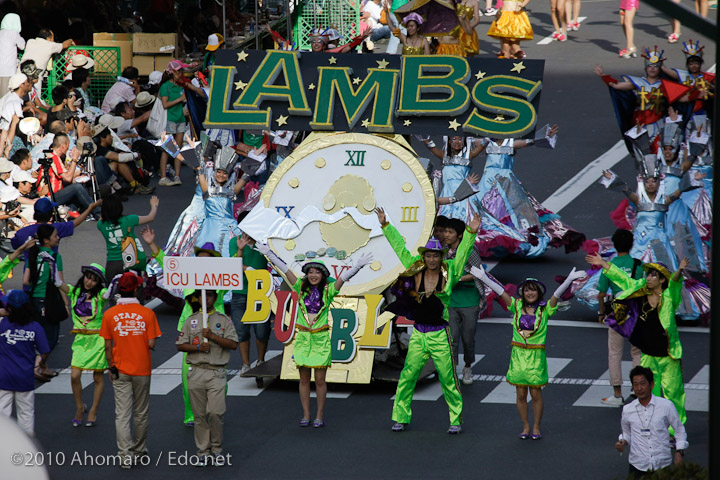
[191, 333]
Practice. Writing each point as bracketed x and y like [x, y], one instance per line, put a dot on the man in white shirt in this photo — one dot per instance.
[372, 11]
[645, 423]
[41, 50]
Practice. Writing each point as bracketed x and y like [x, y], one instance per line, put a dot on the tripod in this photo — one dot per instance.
[47, 165]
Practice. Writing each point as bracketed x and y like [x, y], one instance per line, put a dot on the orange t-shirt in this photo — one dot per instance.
[130, 326]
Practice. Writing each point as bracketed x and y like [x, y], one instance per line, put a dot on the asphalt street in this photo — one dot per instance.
[261, 433]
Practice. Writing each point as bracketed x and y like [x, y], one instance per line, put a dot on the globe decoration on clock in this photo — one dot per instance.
[319, 204]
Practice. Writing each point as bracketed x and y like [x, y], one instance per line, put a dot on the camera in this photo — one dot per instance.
[46, 161]
[11, 205]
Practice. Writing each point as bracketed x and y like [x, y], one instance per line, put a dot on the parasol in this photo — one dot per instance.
[439, 15]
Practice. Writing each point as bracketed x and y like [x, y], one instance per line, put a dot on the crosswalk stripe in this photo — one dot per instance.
[505, 393]
[164, 383]
[245, 386]
[61, 383]
[431, 391]
[592, 396]
[698, 400]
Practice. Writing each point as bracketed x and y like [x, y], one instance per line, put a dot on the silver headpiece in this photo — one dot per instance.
[225, 159]
[671, 135]
[650, 166]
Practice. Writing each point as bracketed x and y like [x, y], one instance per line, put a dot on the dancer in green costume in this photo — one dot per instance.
[312, 332]
[87, 300]
[207, 250]
[434, 279]
[649, 322]
[528, 362]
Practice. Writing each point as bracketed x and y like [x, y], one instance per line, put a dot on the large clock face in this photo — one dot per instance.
[343, 177]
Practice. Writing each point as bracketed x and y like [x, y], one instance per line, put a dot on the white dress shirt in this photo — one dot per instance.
[645, 429]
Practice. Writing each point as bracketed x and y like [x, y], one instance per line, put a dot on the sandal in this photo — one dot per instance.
[398, 427]
[520, 54]
[454, 429]
[672, 38]
[318, 423]
[304, 422]
[524, 436]
[536, 436]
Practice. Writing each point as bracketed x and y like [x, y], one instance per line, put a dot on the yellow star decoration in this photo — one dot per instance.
[499, 118]
[356, 81]
[333, 60]
[407, 123]
[518, 67]
[282, 120]
[242, 56]
[382, 63]
[454, 124]
[480, 75]
[366, 123]
[311, 86]
[240, 85]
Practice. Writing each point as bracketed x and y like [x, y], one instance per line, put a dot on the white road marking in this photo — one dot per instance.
[585, 177]
[162, 384]
[698, 400]
[505, 393]
[61, 383]
[599, 390]
[245, 386]
[547, 40]
[431, 391]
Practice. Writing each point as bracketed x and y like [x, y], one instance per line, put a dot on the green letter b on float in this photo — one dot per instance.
[345, 324]
[415, 83]
[519, 114]
[379, 85]
[262, 84]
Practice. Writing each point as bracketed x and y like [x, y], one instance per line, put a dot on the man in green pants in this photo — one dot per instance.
[434, 279]
[648, 320]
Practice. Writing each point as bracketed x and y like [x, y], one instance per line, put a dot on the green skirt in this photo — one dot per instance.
[89, 352]
[528, 367]
[312, 350]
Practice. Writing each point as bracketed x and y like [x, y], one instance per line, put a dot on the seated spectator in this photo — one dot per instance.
[34, 104]
[128, 131]
[61, 100]
[12, 112]
[124, 90]
[41, 50]
[81, 83]
[372, 11]
[121, 163]
[9, 196]
[22, 161]
[79, 62]
[25, 185]
[62, 179]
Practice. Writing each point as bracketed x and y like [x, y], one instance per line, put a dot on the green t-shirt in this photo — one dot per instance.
[251, 258]
[173, 92]
[44, 272]
[114, 234]
[397, 4]
[624, 263]
[465, 294]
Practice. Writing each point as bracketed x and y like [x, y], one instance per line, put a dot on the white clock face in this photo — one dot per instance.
[346, 176]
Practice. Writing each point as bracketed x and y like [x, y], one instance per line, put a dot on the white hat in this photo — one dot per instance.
[111, 121]
[144, 99]
[29, 125]
[6, 165]
[23, 176]
[17, 80]
[81, 61]
[155, 78]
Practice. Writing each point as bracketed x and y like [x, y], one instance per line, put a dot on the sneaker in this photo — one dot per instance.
[177, 181]
[244, 369]
[569, 27]
[467, 377]
[454, 429]
[576, 26]
[143, 190]
[398, 427]
[613, 400]
[166, 182]
[555, 35]
[489, 12]
[73, 214]
[561, 37]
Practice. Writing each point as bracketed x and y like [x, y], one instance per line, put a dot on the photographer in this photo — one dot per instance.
[120, 162]
[60, 179]
[9, 198]
[25, 183]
